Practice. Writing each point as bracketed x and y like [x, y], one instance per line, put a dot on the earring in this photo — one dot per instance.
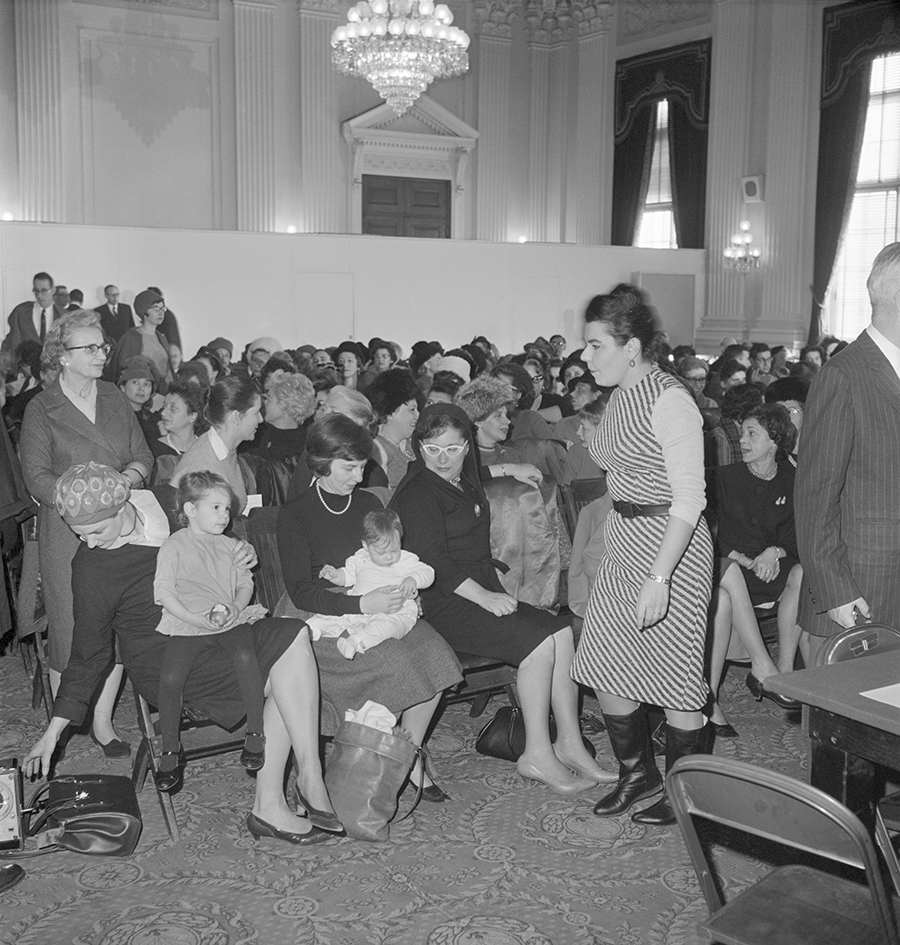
[631, 363]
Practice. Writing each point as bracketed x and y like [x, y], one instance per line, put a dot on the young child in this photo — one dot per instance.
[205, 601]
[378, 564]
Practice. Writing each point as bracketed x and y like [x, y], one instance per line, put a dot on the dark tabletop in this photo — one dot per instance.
[837, 688]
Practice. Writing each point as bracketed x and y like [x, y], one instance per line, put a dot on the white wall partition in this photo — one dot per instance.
[326, 288]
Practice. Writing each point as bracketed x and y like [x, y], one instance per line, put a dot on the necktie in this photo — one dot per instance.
[43, 324]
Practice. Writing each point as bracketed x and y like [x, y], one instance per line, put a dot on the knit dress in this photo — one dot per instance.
[650, 442]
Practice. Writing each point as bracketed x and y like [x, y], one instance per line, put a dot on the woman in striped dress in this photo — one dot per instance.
[645, 627]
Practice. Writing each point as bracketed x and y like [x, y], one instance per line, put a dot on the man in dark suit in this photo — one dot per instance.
[115, 317]
[32, 320]
[847, 497]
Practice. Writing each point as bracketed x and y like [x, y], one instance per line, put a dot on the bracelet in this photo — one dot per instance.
[503, 469]
[659, 579]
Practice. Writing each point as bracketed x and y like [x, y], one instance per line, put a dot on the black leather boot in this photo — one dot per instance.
[639, 777]
[679, 742]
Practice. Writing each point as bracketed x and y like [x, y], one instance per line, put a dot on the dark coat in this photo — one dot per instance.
[847, 496]
[21, 325]
[114, 326]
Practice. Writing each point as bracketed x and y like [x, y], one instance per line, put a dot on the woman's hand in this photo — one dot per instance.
[652, 603]
[37, 761]
[245, 556]
[500, 605]
[386, 600]
[766, 565]
[525, 472]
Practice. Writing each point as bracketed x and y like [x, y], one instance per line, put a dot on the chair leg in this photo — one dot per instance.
[887, 811]
[479, 704]
[141, 766]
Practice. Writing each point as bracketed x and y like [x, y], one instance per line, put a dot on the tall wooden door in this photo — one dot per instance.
[405, 206]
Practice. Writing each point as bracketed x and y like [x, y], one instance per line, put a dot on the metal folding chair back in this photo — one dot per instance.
[864, 640]
[792, 905]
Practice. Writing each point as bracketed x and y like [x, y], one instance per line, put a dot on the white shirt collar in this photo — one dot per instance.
[887, 348]
[218, 445]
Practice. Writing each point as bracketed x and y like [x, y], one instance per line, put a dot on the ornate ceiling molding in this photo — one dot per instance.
[330, 7]
[591, 18]
[208, 9]
[495, 18]
[644, 17]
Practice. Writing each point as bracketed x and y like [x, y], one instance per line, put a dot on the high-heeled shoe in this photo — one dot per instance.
[759, 692]
[578, 784]
[260, 828]
[171, 780]
[253, 760]
[597, 775]
[723, 730]
[323, 819]
[114, 748]
[434, 795]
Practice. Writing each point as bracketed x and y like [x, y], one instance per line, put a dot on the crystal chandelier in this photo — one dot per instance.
[400, 47]
[741, 255]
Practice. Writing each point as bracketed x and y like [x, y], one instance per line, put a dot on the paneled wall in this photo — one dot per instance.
[308, 289]
[227, 115]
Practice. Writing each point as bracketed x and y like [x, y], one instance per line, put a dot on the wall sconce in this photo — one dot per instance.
[742, 255]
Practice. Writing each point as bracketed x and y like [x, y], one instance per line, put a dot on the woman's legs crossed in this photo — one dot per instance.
[721, 611]
[744, 619]
[416, 720]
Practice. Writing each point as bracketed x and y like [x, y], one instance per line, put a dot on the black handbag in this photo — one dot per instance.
[364, 776]
[504, 736]
[96, 814]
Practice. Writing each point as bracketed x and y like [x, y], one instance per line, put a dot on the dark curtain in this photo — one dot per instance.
[853, 35]
[841, 130]
[681, 75]
[687, 150]
[631, 176]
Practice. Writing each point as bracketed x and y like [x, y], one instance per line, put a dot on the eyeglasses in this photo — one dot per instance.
[452, 451]
[92, 350]
[41, 291]
[695, 380]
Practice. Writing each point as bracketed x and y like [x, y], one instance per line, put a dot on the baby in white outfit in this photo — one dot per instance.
[378, 565]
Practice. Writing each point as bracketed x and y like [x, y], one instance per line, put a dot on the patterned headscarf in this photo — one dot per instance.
[86, 494]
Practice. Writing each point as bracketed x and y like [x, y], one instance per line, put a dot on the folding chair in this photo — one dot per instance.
[31, 621]
[791, 905]
[859, 641]
[575, 496]
[146, 758]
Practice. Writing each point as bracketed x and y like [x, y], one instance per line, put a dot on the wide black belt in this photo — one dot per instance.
[633, 510]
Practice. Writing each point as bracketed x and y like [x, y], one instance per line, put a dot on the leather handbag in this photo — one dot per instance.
[96, 814]
[504, 736]
[365, 773]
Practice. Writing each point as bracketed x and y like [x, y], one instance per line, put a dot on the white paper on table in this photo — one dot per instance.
[887, 694]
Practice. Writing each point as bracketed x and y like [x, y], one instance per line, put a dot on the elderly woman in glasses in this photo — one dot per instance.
[78, 419]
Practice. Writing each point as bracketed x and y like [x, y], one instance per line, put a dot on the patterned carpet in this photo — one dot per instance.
[503, 864]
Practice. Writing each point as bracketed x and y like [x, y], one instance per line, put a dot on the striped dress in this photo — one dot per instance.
[662, 665]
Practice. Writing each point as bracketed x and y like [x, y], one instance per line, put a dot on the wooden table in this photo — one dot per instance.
[849, 733]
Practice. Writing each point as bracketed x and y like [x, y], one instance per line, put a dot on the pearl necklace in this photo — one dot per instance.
[764, 476]
[322, 500]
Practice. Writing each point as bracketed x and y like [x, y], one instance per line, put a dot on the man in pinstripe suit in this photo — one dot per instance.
[847, 494]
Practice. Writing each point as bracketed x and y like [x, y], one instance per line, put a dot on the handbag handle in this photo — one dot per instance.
[420, 756]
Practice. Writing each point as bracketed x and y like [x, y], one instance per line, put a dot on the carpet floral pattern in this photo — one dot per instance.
[502, 864]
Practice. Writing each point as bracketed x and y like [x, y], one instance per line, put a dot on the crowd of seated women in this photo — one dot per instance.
[466, 446]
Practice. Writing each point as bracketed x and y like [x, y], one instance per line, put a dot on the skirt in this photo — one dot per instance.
[663, 664]
[397, 674]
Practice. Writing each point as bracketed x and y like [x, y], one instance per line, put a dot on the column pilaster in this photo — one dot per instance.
[787, 243]
[729, 130]
[38, 56]
[254, 49]
[494, 20]
[324, 195]
[592, 185]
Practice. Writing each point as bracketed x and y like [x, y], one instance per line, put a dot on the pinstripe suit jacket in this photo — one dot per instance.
[847, 495]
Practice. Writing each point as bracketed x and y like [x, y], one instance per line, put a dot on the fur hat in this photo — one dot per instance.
[482, 396]
[390, 390]
[90, 493]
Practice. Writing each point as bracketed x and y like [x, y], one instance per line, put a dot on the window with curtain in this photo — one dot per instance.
[656, 227]
[874, 217]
